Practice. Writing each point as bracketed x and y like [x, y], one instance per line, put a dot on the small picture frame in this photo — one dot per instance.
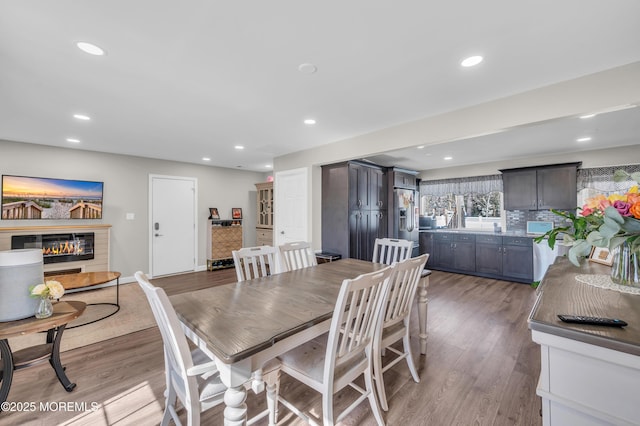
[236, 213]
[213, 213]
[601, 255]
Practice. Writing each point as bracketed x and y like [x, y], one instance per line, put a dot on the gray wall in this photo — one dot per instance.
[126, 181]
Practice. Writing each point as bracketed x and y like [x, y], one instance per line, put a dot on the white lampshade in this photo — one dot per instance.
[19, 270]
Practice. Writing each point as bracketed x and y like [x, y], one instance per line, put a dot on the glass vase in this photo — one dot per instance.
[625, 269]
[44, 308]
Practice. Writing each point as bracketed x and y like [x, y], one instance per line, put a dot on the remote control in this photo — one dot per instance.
[578, 319]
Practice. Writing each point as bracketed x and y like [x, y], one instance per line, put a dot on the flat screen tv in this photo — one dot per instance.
[46, 198]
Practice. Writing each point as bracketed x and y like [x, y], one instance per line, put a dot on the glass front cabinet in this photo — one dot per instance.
[264, 209]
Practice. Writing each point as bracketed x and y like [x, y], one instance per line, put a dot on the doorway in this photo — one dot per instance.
[172, 224]
[291, 206]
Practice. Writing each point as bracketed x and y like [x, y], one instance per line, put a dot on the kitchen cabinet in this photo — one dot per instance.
[541, 188]
[455, 252]
[510, 258]
[489, 254]
[367, 187]
[504, 257]
[402, 179]
[354, 208]
[517, 258]
[426, 247]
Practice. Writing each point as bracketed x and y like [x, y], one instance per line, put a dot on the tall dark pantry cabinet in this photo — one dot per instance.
[354, 208]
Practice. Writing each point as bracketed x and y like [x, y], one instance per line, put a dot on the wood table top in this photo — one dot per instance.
[84, 279]
[63, 313]
[561, 293]
[238, 320]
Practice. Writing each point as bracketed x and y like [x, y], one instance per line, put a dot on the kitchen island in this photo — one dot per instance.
[590, 375]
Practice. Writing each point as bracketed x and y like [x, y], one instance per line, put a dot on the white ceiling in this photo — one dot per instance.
[185, 80]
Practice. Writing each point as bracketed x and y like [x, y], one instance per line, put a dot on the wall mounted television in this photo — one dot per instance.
[47, 198]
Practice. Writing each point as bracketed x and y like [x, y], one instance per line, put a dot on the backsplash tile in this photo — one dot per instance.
[517, 219]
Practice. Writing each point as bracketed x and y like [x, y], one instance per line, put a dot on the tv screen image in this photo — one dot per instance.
[47, 198]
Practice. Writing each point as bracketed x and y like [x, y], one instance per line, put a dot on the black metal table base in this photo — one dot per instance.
[54, 336]
[116, 304]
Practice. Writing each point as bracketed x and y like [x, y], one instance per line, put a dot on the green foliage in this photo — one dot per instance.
[599, 229]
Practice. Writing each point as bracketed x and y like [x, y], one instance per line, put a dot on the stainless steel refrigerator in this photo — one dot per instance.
[405, 217]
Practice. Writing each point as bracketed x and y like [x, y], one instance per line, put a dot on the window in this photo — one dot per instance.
[474, 202]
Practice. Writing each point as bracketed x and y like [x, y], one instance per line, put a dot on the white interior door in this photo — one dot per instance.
[172, 222]
[291, 206]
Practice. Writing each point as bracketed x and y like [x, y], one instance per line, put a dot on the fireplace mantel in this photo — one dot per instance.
[100, 262]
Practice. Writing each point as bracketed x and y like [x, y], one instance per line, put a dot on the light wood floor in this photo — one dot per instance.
[481, 368]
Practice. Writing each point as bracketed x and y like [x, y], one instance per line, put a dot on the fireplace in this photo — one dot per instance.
[58, 248]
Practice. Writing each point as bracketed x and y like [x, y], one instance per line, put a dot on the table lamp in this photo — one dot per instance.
[19, 270]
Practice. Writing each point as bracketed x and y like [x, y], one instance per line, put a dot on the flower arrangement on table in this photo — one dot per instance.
[50, 289]
[608, 222]
[47, 291]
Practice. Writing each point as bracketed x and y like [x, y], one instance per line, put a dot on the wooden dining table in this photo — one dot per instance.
[243, 325]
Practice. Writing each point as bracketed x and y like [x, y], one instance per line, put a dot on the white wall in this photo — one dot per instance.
[126, 181]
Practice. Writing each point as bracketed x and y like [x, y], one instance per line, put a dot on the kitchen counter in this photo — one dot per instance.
[481, 232]
[589, 374]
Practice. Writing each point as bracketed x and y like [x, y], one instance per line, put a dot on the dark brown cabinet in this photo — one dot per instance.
[426, 247]
[541, 188]
[493, 256]
[517, 258]
[354, 201]
[510, 258]
[455, 252]
[489, 254]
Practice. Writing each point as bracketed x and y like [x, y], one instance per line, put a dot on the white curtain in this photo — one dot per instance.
[462, 186]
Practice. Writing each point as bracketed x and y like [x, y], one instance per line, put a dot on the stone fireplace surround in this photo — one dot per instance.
[100, 262]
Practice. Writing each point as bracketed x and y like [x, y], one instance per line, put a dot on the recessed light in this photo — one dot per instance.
[307, 68]
[587, 116]
[206, 159]
[239, 147]
[268, 166]
[448, 157]
[585, 139]
[73, 140]
[81, 117]
[471, 61]
[309, 121]
[89, 48]
[420, 147]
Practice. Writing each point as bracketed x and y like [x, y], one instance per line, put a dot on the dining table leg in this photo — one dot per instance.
[235, 411]
[234, 377]
[422, 312]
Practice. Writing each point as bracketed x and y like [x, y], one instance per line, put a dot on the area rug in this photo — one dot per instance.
[134, 315]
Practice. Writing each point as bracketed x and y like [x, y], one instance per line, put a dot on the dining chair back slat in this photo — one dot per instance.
[297, 255]
[390, 250]
[255, 262]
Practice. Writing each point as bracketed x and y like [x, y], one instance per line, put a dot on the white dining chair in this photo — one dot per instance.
[191, 376]
[389, 250]
[395, 321]
[334, 360]
[297, 255]
[255, 262]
